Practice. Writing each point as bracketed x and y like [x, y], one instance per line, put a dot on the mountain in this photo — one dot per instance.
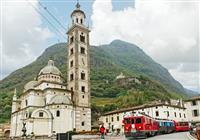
[107, 61]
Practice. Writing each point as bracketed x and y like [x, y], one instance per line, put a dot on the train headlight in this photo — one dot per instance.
[133, 126]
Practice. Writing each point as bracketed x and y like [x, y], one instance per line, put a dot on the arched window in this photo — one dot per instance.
[72, 63]
[71, 39]
[71, 51]
[83, 123]
[57, 113]
[83, 89]
[81, 21]
[71, 77]
[82, 50]
[26, 102]
[76, 20]
[82, 76]
[82, 38]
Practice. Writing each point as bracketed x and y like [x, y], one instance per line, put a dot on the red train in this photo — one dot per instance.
[144, 126]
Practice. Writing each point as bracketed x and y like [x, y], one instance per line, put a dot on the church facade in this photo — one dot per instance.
[47, 106]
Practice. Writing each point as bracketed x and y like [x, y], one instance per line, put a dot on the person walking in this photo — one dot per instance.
[102, 131]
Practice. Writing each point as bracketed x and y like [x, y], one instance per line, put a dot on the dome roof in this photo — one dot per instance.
[60, 99]
[50, 69]
[30, 85]
[78, 10]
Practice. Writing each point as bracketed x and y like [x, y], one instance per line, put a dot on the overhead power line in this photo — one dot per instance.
[51, 24]
[46, 9]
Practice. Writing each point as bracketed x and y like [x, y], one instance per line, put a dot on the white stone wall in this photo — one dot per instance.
[64, 122]
[190, 109]
[45, 85]
[16, 124]
[83, 115]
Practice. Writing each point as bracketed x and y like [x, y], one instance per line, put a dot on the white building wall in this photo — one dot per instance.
[61, 124]
[190, 108]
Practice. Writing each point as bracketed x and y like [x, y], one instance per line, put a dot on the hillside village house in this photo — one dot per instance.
[47, 106]
[113, 120]
[193, 109]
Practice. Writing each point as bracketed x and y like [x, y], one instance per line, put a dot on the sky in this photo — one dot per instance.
[167, 30]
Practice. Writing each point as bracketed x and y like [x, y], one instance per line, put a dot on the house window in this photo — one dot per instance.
[175, 114]
[106, 119]
[194, 103]
[81, 21]
[71, 77]
[82, 50]
[157, 113]
[76, 20]
[82, 76]
[180, 115]
[117, 118]
[57, 113]
[41, 114]
[112, 119]
[72, 89]
[184, 115]
[71, 63]
[83, 123]
[195, 113]
[82, 38]
[71, 39]
[82, 88]
[167, 113]
[71, 51]
[83, 96]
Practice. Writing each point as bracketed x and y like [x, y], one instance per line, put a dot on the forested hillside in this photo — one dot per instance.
[107, 61]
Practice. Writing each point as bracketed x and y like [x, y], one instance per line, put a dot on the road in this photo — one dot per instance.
[173, 136]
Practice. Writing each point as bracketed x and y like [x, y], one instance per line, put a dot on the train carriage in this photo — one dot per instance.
[166, 126]
[181, 126]
[140, 126]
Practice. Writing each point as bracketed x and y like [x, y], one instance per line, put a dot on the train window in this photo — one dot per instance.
[132, 120]
[127, 121]
[138, 120]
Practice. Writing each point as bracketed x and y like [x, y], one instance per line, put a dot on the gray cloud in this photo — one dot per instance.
[166, 30]
[23, 36]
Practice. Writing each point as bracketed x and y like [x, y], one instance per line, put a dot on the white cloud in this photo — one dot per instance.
[166, 30]
[23, 35]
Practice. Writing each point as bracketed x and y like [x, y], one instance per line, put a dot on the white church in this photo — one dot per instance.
[47, 106]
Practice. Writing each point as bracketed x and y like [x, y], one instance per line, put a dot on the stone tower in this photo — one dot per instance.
[79, 69]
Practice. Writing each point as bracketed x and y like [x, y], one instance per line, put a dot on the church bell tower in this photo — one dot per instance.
[79, 69]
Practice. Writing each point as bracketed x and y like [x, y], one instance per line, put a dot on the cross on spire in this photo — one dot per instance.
[78, 5]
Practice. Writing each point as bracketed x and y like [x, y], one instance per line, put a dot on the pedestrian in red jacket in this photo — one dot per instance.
[102, 131]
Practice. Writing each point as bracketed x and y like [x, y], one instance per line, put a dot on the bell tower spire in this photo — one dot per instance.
[79, 69]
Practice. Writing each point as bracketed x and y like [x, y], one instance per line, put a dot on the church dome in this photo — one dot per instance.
[60, 99]
[78, 11]
[50, 69]
[30, 85]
